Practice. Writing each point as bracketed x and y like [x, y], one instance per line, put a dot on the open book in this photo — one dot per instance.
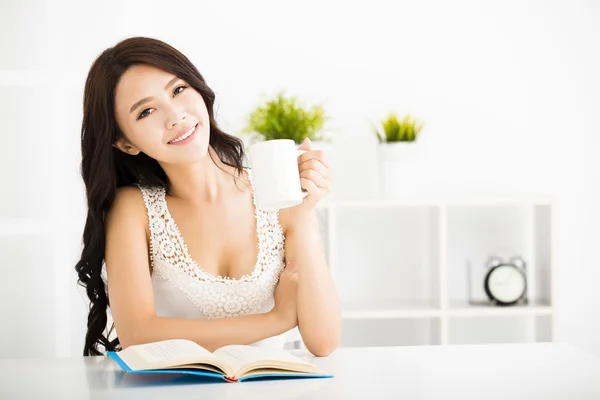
[232, 363]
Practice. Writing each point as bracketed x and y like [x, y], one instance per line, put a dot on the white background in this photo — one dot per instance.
[509, 92]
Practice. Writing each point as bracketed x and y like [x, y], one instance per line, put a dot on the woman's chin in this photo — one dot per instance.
[193, 152]
[190, 156]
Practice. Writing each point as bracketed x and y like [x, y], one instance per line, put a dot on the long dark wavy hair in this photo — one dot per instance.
[104, 168]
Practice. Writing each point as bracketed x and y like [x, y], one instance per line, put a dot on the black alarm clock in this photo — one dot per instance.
[505, 283]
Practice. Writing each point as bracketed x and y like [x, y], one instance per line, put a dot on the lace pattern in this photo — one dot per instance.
[216, 296]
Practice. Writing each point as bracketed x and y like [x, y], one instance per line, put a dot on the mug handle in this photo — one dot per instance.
[298, 154]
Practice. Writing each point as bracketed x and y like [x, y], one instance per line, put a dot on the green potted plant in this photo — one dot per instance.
[395, 130]
[284, 117]
[397, 154]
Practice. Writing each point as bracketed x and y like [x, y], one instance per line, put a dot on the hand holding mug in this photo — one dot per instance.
[284, 176]
[316, 175]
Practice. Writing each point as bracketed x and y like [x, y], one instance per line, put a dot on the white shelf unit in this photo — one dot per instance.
[400, 269]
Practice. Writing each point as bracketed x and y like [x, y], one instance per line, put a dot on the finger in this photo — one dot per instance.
[317, 166]
[315, 177]
[306, 145]
[314, 155]
[312, 189]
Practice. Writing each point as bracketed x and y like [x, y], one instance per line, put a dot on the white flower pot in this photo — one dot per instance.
[398, 169]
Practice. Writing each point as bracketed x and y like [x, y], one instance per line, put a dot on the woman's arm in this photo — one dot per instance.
[319, 317]
[132, 300]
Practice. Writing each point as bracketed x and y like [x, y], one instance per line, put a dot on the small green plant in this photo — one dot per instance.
[394, 130]
[285, 118]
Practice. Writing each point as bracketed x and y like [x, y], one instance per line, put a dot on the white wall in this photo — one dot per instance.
[508, 92]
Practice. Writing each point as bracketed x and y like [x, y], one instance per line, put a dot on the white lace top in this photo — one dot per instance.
[183, 289]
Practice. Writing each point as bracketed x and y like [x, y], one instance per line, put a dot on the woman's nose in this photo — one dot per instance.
[175, 117]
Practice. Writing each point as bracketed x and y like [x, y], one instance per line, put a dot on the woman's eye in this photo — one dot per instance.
[148, 111]
[145, 113]
[179, 89]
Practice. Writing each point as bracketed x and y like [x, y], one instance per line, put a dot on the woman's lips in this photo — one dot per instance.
[185, 137]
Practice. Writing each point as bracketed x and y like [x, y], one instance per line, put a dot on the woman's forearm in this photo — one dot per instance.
[210, 334]
[319, 316]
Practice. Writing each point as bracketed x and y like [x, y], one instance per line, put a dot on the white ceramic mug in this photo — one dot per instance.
[274, 169]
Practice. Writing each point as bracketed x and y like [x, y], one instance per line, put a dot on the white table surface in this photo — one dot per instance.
[498, 371]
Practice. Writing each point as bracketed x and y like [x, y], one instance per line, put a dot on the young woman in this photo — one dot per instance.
[172, 235]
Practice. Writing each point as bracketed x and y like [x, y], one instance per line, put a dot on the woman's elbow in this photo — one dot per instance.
[126, 341]
[136, 336]
[323, 347]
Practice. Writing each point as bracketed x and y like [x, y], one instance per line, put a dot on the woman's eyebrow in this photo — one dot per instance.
[147, 99]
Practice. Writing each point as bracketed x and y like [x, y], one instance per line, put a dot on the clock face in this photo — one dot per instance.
[506, 283]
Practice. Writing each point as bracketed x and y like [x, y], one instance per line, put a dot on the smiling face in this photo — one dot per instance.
[161, 116]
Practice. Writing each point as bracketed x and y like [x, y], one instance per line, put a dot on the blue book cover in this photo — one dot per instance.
[188, 358]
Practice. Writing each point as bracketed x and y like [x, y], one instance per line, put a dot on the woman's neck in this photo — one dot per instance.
[202, 182]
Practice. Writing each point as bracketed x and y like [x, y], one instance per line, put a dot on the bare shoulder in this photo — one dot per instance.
[127, 231]
[128, 206]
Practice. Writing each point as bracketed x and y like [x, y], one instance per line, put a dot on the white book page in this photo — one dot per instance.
[238, 356]
[167, 352]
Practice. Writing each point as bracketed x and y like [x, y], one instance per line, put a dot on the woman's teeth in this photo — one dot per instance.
[185, 135]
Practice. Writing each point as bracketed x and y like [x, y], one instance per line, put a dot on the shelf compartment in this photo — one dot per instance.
[390, 332]
[511, 329]
[387, 255]
[474, 233]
